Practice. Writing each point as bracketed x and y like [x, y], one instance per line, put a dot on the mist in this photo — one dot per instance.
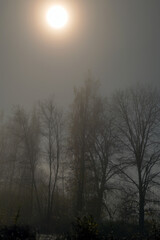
[79, 119]
[117, 41]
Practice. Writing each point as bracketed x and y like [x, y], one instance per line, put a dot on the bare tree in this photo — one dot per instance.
[79, 122]
[101, 148]
[26, 131]
[91, 144]
[52, 135]
[137, 120]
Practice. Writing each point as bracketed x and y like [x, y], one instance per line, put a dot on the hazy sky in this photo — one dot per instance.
[117, 40]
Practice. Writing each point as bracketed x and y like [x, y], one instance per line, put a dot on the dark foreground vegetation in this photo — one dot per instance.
[17, 233]
[100, 157]
[86, 228]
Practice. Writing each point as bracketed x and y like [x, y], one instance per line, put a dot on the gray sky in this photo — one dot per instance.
[117, 40]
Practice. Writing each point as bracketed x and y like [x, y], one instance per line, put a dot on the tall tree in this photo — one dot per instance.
[78, 133]
[26, 132]
[101, 149]
[137, 115]
[92, 145]
[51, 119]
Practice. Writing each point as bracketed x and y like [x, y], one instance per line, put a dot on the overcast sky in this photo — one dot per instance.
[117, 40]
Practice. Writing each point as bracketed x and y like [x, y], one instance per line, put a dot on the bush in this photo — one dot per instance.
[17, 233]
[83, 228]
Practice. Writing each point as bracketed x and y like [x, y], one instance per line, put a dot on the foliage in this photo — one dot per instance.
[83, 228]
[86, 228]
[17, 233]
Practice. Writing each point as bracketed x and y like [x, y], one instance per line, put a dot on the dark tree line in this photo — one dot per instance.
[102, 158]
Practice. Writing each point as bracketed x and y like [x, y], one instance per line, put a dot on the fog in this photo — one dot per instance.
[71, 145]
[117, 41]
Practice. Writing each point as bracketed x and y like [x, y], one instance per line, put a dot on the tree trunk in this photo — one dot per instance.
[99, 206]
[141, 213]
[80, 191]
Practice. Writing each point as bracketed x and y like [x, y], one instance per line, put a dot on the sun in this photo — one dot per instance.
[57, 17]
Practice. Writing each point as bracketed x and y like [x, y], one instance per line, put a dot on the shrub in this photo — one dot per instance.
[85, 228]
[17, 233]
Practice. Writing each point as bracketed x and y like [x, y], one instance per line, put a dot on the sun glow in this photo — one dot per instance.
[57, 17]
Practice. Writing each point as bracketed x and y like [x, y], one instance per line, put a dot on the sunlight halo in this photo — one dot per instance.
[57, 17]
